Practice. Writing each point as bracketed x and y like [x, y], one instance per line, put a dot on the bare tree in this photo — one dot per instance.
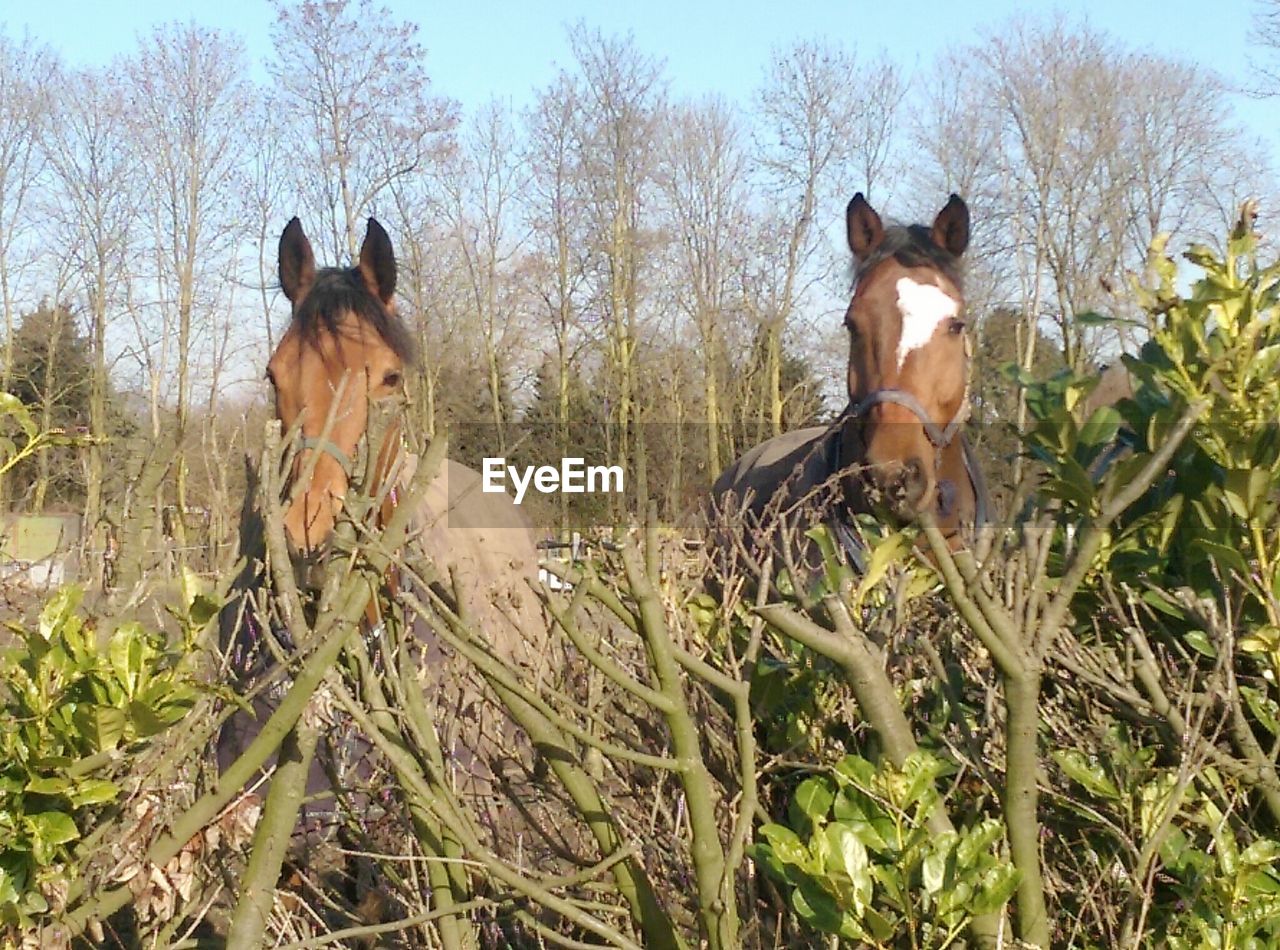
[821, 115]
[88, 142]
[264, 177]
[24, 102]
[1180, 153]
[703, 176]
[1074, 152]
[422, 284]
[555, 212]
[622, 92]
[1266, 35]
[354, 77]
[481, 186]
[189, 100]
[1084, 151]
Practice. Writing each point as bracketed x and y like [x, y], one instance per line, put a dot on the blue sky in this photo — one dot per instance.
[478, 49]
[481, 49]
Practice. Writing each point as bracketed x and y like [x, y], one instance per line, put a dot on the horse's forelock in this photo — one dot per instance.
[911, 246]
[338, 291]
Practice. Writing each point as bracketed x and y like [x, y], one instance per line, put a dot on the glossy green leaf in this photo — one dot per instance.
[814, 798]
[853, 860]
[1086, 774]
[48, 785]
[786, 844]
[1199, 641]
[933, 871]
[53, 827]
[997, 889]
[93, 792]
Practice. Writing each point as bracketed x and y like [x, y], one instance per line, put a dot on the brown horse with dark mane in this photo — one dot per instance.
[346, 350]
[898, 444]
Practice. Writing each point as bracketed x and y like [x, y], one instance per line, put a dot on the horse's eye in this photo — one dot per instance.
[956, 327]
[853, 330]
[391, 380]
[270, 378]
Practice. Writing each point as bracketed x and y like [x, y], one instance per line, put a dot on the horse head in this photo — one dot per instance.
[908, 354]
[344, 350]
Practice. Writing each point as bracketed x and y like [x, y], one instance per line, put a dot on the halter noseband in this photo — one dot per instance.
[317, 444]
[940, 436]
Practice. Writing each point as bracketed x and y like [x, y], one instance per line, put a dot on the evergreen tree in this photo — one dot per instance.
[51, 371]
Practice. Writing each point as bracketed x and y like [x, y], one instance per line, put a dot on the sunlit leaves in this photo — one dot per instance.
[21, 438]
[1213, 518]
[1089, 775]
[73, 701]
[865, 865]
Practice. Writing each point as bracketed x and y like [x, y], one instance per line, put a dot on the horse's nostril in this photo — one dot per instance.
[309, 565]
[900, 483]
[306, 555]
[947, 496]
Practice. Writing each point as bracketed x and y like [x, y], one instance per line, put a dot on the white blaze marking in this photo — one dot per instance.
[923, 307]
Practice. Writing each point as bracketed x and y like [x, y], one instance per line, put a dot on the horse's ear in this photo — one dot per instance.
[297, 263]
[951, 226]
[864, 227]
[378, 262]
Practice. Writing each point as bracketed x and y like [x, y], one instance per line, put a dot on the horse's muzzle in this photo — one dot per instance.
[902, 486]
[309, 565]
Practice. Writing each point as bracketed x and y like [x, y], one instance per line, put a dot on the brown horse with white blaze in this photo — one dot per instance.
[899, 442]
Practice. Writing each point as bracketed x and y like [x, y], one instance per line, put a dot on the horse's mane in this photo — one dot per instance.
[911, 246]
[340, 290]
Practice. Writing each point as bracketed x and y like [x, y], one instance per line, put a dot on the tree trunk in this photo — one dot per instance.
[6, 365]
[711, 394]
[97, 399]
[562, 420]
[1022, 700]
[774, 343]
[47, 396]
